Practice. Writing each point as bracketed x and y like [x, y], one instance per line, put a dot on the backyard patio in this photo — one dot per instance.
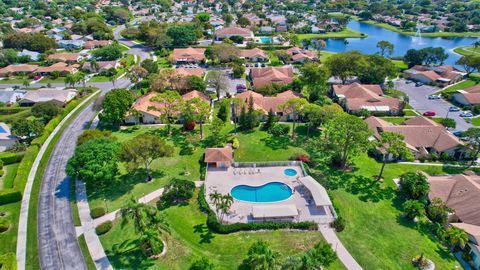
[308, 200]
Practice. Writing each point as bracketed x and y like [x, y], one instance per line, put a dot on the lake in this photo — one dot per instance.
[402, 43]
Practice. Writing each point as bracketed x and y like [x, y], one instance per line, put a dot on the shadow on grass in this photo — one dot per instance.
[206, 235]
[277, 142]
[127, 255]
[123, 185]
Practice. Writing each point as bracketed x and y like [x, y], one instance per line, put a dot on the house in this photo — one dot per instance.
[60, 67]
[253, 18]
[7, 140]
[469, 96]
[71, 44]
[219, 157]
[265, 104]
[356, 97]
[423, 137]
[65, 57]
[92, 44]
[228, 32]
[254, 55]
[472, 247]
[34, 56]
[10, 96]
[199, 72]
[60, 97]
[271, 75]
[300, 56]
[438, 75]
[17, 69]
[149, 112]
[267, 29]
[188, 55]
[102, 66]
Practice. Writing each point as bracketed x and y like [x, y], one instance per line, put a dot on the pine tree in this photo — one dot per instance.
[223, 112]
[251, 116]
[271, 119]
[243, 121]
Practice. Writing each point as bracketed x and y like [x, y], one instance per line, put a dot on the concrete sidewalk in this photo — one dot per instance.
[342, 253]
[94, 245]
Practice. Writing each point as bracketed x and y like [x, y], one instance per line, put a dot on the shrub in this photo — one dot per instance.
[414, 185]
[413, 209]
[104, 227]
[437, 211]
[279, 130]
[235, 143]
[189, 125]
[97, 212]
[214, 225]
[8, 261]
[301, 157]
[10, 196]
[10, 158]
[177, 191]
[338, 224]
[4, 226]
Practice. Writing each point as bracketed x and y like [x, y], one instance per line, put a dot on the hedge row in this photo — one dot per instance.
[10, 118]
[214, 225]
[9, 196]
[8, 261]
[12, 110]
[10, 158]
[97, 212]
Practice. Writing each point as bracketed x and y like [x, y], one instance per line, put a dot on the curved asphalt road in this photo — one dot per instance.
[57, 241]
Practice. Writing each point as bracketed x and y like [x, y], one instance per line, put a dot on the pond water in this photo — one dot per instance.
[402, 43]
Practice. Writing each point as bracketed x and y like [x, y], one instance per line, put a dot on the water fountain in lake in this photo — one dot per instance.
[417, 39]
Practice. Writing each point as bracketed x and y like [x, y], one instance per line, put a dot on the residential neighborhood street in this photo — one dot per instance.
[418, 97]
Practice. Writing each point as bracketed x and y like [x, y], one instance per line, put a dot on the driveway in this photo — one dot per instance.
[418, 97]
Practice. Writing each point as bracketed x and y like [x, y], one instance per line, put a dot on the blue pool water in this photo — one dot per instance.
[290, 172]
[271, 192]
[2, 130]
[266, 39]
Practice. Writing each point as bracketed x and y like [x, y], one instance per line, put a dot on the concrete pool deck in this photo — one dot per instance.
[223, 180]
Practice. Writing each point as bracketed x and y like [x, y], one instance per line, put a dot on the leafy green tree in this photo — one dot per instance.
[469, 63]
[414, 185]
[46, 110]
[202, 264]
[251, 117]
[150, 66]
[386, 47]
[136, 73]
[346, 135]
[376, 69]
[171, 106]
[116, 14]
[437, 211]
[413, 209]
[271, 120]
[314, 77]
[115, 105]
[203, 17]
[200, 111]
[295, 108]
[27, 129]
[95, 162]
[313, 115]
[216, 137]
[177, 191]
[90, 134]
[244, 22]
[182, 35]
[345, 65]
[196, 83]
[238, 70]
[108, 53]
[456, 237]
[449, 123]
[222, 113]
[473, 143]
[261, 257]
[434, 56]
[144, 149]
[218, 81]
[323, 254]
[392, 145]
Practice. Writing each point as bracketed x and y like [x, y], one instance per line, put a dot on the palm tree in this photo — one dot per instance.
[215, 197]
[456, 237]
[25, 83]
[112, 80]
[135, 211]
[476, 44]
[70, 80]
[261, 257]
[227, 199]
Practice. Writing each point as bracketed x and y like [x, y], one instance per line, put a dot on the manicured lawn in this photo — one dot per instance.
[400, 64]
[476, 121]
[324, 55]
[467, 50]
[274, 61]
[346, 33]
[189, 238]
[376, 234]
[86, 254]
[15, 80]
[10, 171]
[99, 78]
[8, 241]
[411, 113]
[459, 86]
[52, 80]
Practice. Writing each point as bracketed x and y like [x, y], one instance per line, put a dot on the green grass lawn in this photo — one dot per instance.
[52, 80]
[10, 171]
[400, 64]
[376, 234]
[459, 86]
[346, 33]
[467, 50]
[324, 55]
[395, 120]
[99, 78]
[15, 80]
[8, 241]
[476, 121]
[189, 238]
[163, 62]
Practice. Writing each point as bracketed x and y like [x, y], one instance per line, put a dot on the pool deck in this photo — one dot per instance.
[223, 180]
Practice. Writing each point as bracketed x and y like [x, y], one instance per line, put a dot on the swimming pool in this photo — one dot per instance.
[270, 192]
[290, 172]
[2, 130]
[266, 40]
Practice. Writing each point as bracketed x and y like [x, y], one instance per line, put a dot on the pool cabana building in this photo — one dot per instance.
[219, 157]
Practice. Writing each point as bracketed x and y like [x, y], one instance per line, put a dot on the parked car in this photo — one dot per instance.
[466, 114]
[434, 97]
[457, 133]
[263, 65]
[408, 81]
[37, 77]
[418, 84]
[241, 88]
[429, 113]
[453, 109]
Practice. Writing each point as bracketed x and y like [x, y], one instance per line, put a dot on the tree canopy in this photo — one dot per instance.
[115, 105]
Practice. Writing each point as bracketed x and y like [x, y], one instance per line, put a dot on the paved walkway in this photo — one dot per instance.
[438, 164]
[342, 253]
[23, 220]
[93, 242]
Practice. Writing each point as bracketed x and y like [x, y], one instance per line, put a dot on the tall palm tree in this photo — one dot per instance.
[456, 237]
[227, 199]
[70, 80]
[261, 257]
[136, 212]
[215, 197]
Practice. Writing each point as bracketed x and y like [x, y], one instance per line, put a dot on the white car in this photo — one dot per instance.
[466, 114]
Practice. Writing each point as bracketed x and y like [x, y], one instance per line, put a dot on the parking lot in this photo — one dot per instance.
[231, 82]
[418, 96]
